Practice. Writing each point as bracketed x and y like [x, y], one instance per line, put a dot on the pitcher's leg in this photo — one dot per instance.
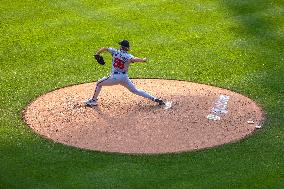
[106, 81]
[131, 87]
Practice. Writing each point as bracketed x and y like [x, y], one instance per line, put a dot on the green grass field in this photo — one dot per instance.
[232, 44]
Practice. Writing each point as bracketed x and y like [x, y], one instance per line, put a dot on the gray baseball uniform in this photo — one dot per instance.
[119, 75]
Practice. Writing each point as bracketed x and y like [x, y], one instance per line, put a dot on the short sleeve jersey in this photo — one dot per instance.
[120, 60]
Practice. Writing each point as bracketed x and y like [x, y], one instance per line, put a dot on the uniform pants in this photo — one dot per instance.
[121, 79]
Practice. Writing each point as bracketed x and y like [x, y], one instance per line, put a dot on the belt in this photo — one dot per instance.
[119, 72]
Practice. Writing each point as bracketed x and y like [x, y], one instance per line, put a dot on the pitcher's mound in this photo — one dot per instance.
[201, 116]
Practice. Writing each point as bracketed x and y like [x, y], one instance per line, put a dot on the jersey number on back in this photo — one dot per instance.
[118, 63]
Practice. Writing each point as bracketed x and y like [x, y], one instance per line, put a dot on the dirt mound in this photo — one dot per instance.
[201, 116]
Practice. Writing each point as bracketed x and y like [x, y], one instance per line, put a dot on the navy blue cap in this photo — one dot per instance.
[124, 43]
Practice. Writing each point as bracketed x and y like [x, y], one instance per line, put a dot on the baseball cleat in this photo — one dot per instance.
[161, 102]
[90, 103]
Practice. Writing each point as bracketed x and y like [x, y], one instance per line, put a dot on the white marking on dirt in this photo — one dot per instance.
[220, 107]
[250, 122]
[168, 105]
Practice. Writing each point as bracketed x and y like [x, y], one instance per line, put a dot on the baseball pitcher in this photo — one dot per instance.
[121, 60]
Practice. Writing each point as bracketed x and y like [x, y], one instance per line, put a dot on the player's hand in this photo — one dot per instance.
[136, 59]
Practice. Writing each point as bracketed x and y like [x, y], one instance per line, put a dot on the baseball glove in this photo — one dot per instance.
[99, 59]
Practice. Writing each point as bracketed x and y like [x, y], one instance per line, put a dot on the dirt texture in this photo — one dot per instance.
[126, 123]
